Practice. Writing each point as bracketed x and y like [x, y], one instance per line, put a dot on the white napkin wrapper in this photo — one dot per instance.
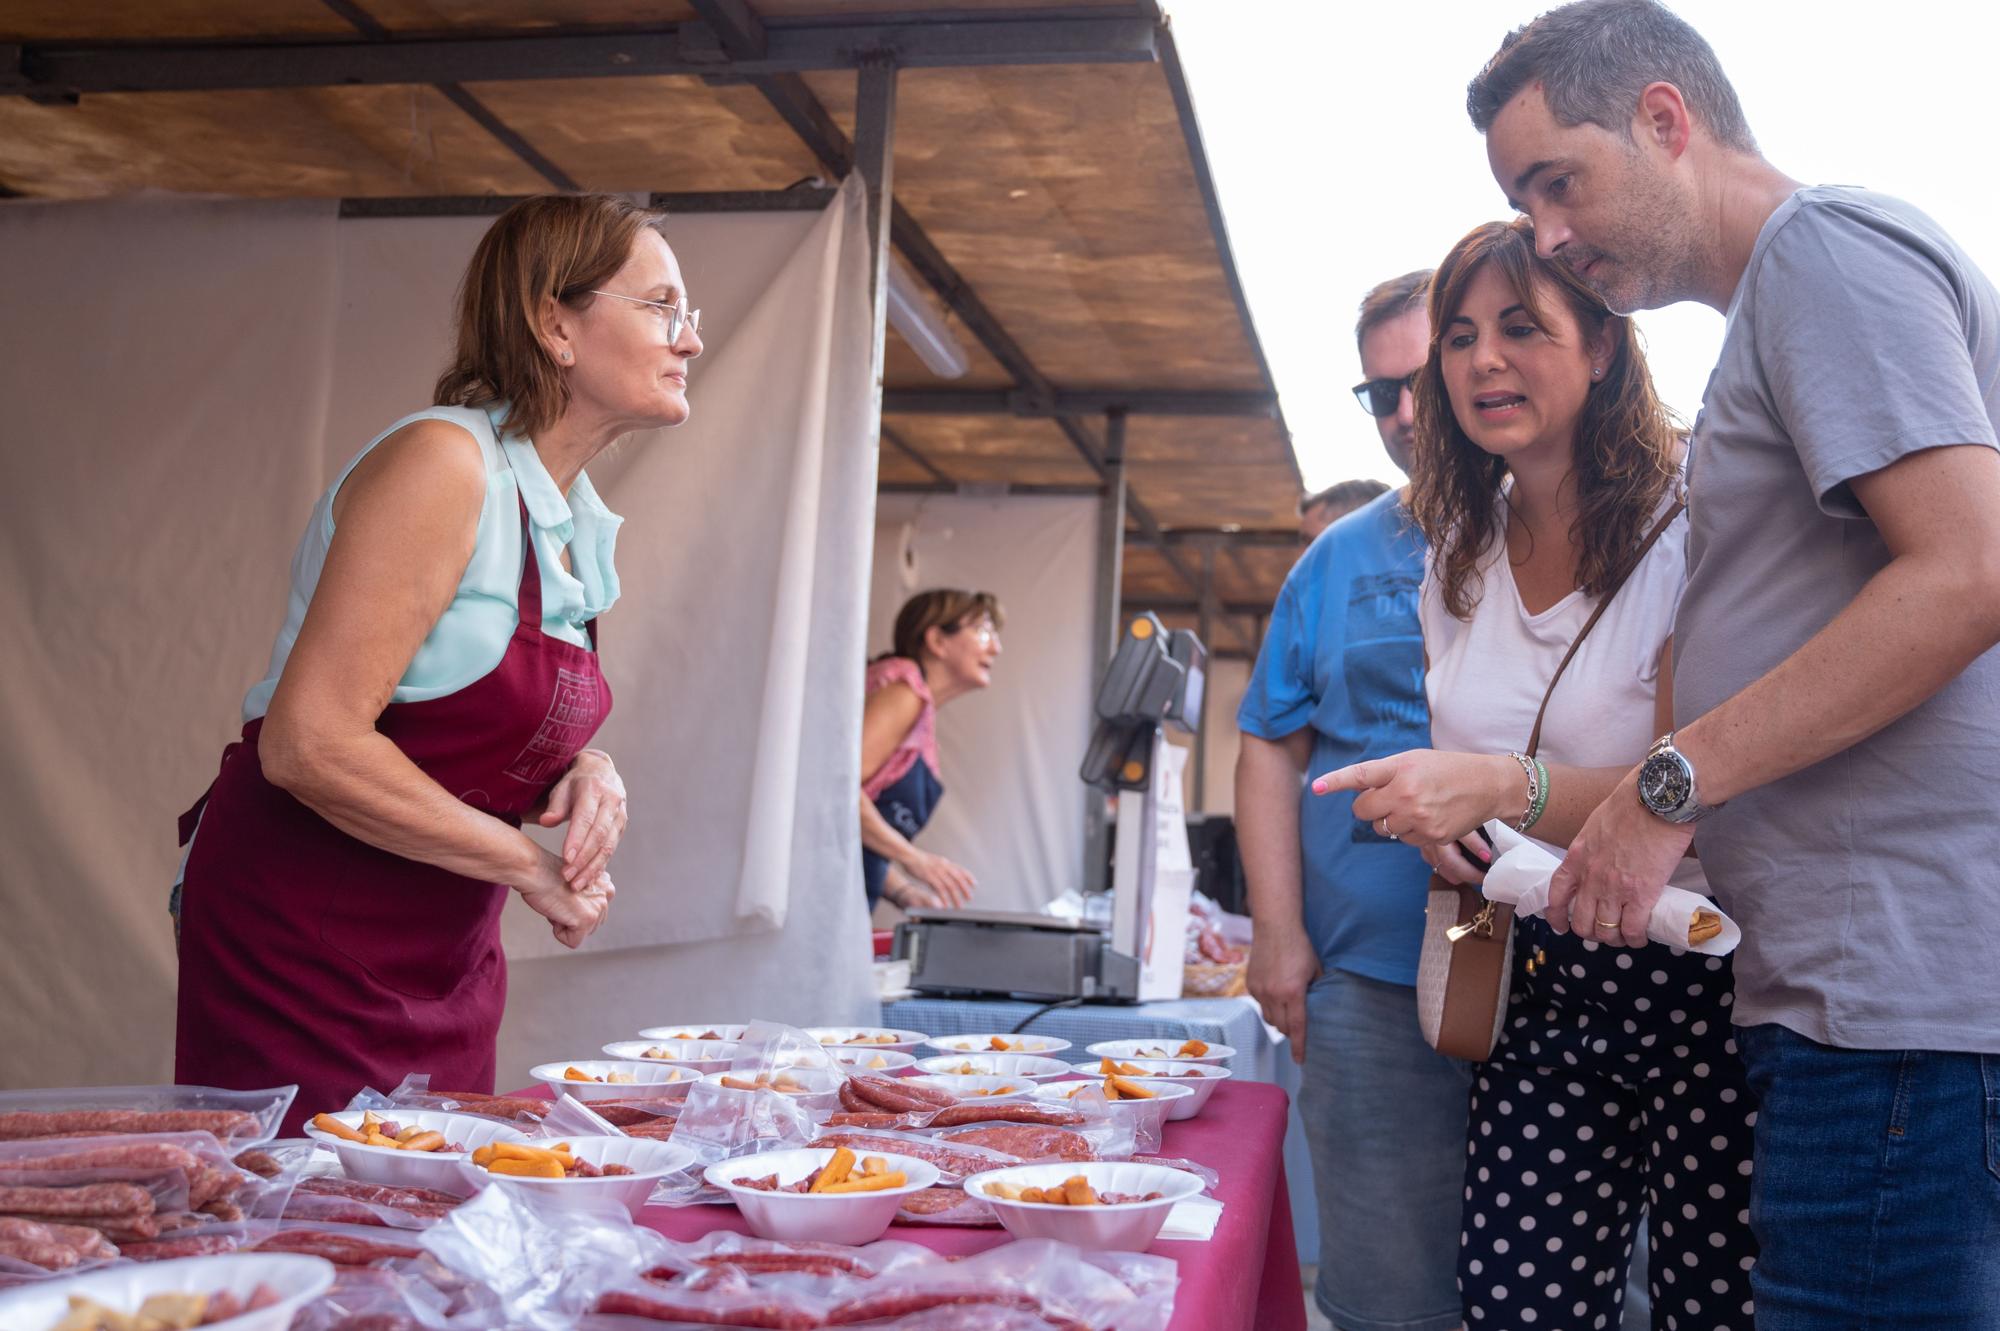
[1519, 877]
[1194, 1219]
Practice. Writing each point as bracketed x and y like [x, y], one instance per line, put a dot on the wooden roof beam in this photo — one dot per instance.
[1078, 402]
[919, 41]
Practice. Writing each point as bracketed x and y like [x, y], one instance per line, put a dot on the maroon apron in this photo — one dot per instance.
[309, 956]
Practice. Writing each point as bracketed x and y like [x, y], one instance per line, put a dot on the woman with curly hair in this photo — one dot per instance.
[1547, 481]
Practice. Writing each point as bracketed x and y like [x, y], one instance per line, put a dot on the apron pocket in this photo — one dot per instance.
[416, 929]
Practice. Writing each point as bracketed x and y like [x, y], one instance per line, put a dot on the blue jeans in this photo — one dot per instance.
[1877, 1194]
[1384, 1117]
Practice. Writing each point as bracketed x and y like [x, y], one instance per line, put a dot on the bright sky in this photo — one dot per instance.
[1339, 143]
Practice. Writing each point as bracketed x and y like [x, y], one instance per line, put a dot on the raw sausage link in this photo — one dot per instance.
[192, 1245]
[790, 1259]
[90, 1199]
[1007, 1111]
[261, 1163]
[901, 1303]
[929, 1095]
[774, 1317]
[630, 1113]
[340, 1249]
[381, 1194]
[1029, 1143]
[224, 1123]
[876, 1119]
[136, 1157]
[879, 1094]
[495, 1106]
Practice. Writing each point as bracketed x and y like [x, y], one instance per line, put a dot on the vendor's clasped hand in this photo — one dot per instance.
[590, 797]
[573, 913]
[1616, 869]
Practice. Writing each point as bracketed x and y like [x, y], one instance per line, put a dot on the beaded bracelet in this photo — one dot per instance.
[1528, 766]
[1540, 803]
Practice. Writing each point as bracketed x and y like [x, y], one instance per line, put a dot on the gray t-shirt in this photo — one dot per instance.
[1867, 885]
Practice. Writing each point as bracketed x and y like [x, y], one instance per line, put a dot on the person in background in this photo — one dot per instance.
[1319, 511]
[944, 647]
[1836, 746]
[1338, 907]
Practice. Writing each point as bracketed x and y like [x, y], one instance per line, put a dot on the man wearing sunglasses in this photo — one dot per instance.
[1339, 910]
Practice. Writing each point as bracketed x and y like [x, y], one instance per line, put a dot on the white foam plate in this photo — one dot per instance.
[1029, 1043]
[650, 1081]
[863, 1059]
[1128, 1227]
[1202, 1078]
[1146, 1115]
[701, 1055]
[1131, 1051]
[852, 1218]
[1032, 1066]
[978, 1089]
[298, 1279]
[822, 1085]
[696, 1030]
[868, 1037]
[415, 1169]
[650, 1162]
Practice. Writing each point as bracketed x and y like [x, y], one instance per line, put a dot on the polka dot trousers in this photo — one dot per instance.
[1614, 1088]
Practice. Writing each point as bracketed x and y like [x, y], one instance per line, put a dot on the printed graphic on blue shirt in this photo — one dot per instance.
[1344, 656]
[1382, 668]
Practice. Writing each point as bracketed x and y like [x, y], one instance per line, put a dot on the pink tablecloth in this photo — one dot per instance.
[1246, 1276]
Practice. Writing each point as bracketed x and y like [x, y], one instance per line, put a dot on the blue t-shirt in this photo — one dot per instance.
[1344, 654]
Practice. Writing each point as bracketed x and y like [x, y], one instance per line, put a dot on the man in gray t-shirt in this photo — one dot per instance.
[1836, 687]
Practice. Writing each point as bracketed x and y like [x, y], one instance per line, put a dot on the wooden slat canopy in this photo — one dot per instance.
[1049, 180]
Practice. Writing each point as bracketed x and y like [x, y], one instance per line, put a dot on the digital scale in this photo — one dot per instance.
[1154, 680]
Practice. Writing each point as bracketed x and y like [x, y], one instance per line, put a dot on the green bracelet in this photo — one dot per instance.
[1541, 800]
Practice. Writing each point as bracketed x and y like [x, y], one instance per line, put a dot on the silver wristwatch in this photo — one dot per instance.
[1666, 784]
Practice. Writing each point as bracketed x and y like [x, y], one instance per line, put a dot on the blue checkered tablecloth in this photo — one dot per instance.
[1231, 1021]
[1227, 1021]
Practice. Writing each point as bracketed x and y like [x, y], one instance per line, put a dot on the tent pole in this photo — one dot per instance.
[874, 158]
[1110, 621]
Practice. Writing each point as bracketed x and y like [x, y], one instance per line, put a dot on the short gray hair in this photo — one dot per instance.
[1595, 57]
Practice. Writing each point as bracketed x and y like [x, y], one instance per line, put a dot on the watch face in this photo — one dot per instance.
[1663, 783]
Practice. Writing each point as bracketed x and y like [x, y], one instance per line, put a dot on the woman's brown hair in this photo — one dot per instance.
[553, 246]
[1625, 458]
[945, 608]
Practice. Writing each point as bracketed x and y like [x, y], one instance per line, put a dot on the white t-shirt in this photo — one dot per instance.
[1488, 673]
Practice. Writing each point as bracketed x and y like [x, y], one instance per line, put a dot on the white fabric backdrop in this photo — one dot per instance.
[1013, 806]
[191, 372]
[164, 384]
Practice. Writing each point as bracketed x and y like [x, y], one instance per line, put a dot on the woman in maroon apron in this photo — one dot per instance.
[341, 898]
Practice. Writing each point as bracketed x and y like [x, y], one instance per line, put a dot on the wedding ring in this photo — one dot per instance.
[1603, 923]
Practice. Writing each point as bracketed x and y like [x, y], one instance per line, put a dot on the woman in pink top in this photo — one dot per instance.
[945, 645]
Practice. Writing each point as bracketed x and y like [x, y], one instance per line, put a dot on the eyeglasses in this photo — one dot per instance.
[675, 313]
[1381, 397]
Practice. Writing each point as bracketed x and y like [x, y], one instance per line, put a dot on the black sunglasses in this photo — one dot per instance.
[1381, 397]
